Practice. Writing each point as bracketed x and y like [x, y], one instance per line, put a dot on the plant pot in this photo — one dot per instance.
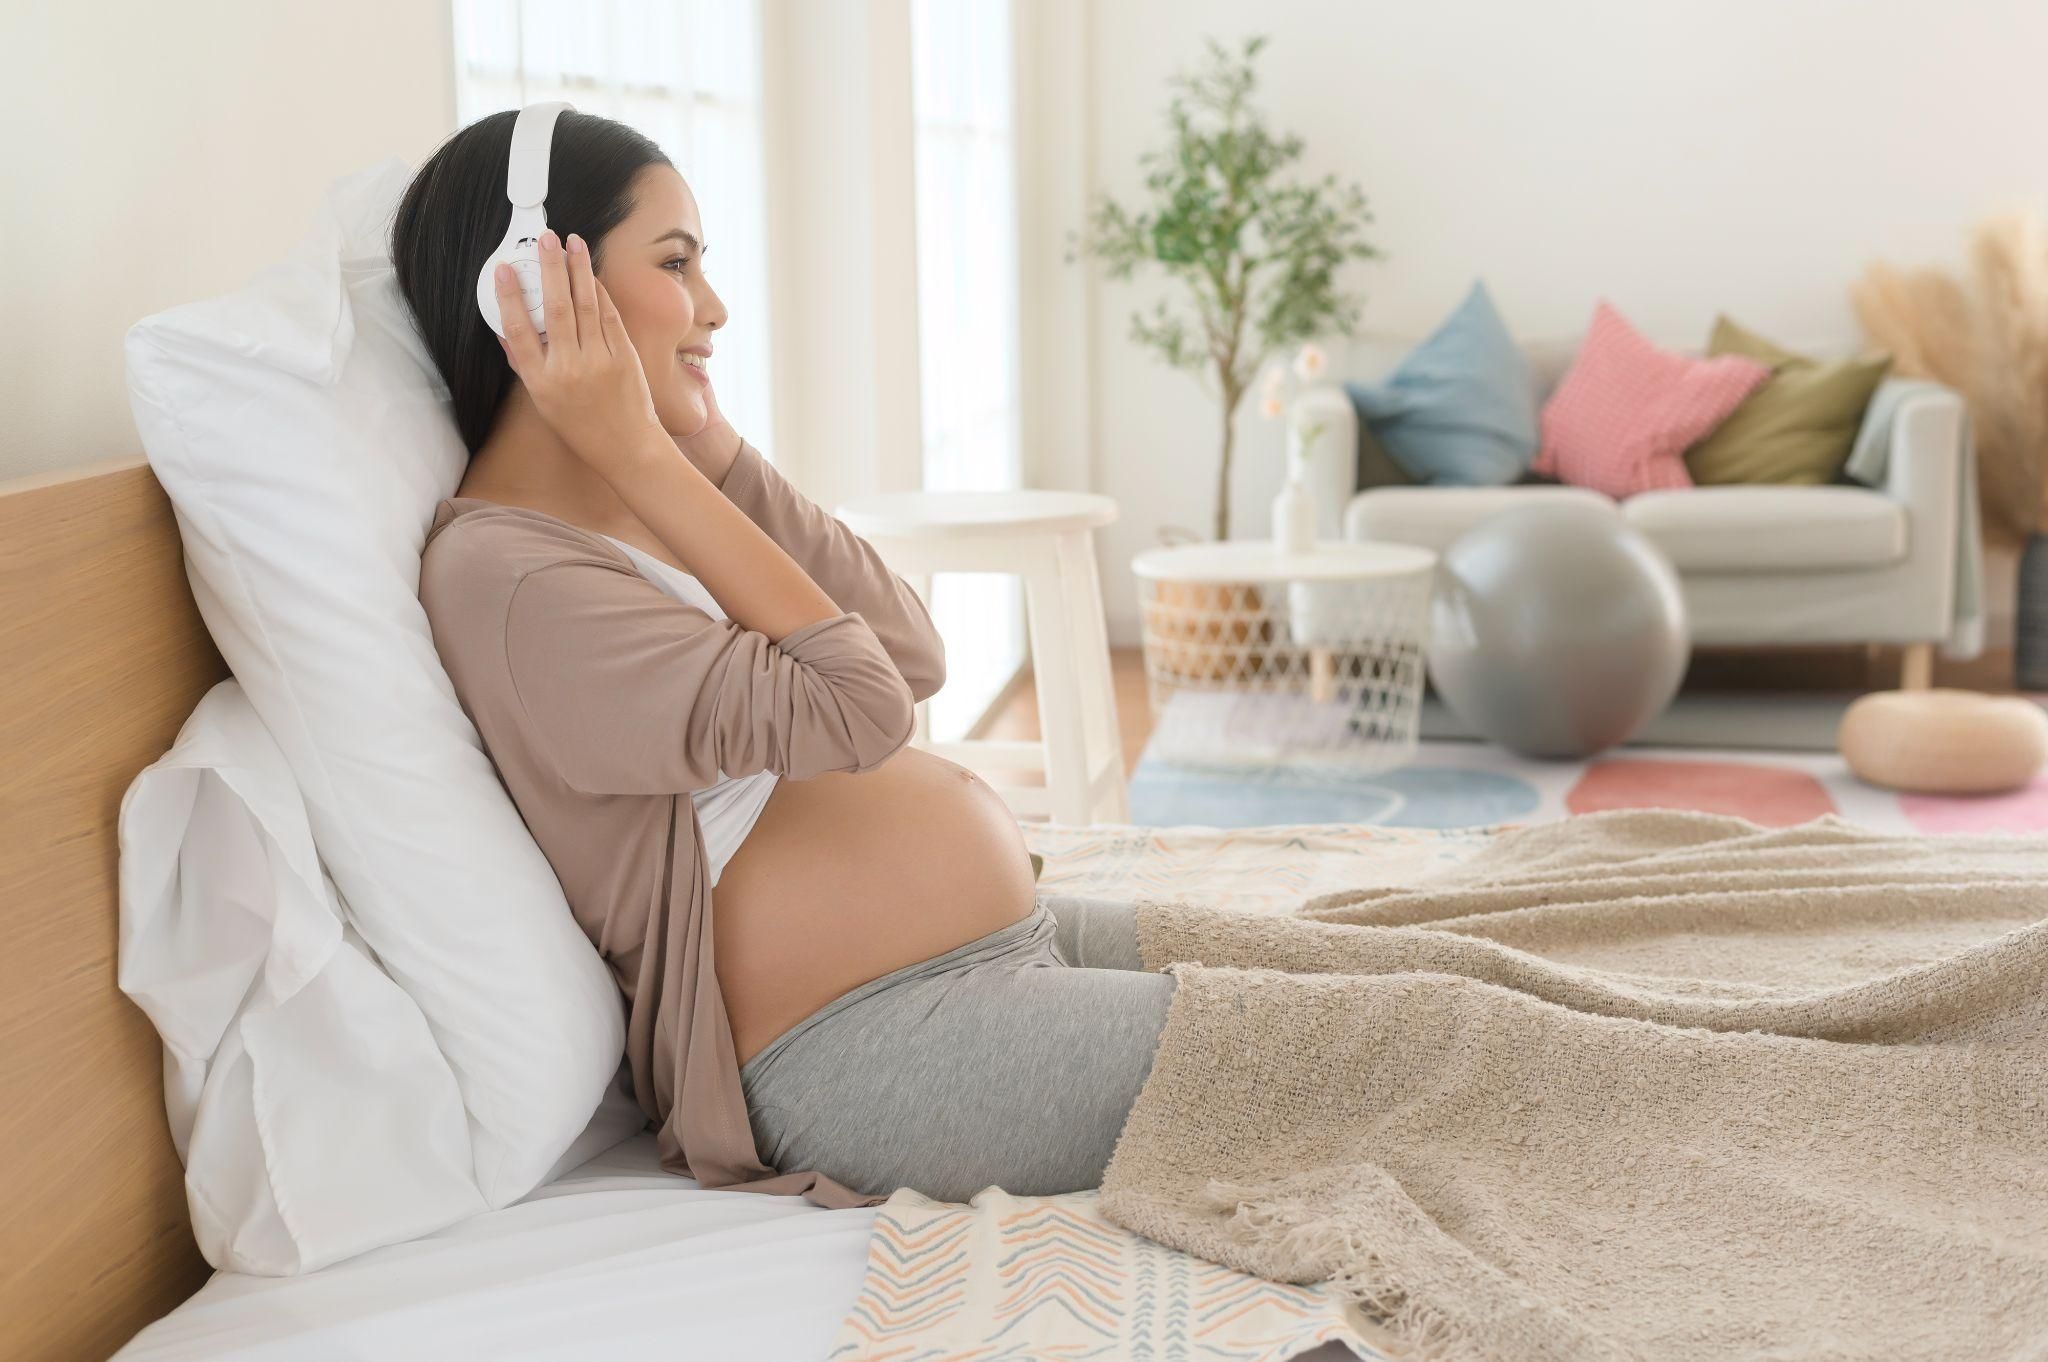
[2030, 641]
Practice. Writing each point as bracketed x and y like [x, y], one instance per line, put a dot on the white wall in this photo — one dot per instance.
[157, 153]
[1750, 155]
[1742, 155]
[842, 215]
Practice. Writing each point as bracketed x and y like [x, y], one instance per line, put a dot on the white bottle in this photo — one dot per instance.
[1294, 509]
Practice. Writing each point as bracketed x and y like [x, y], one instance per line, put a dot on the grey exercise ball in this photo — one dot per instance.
[1557, 630]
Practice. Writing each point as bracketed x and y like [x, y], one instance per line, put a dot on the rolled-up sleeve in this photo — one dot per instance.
[844, 565]
[626, 690]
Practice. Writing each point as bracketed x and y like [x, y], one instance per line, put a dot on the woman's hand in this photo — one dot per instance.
[585, 377]
[713, 448]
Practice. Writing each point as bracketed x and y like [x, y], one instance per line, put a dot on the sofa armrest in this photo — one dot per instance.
[1924, 445]
[1924, 451]
[1923, 464]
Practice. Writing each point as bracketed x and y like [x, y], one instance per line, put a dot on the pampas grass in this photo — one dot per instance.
[1986, 336]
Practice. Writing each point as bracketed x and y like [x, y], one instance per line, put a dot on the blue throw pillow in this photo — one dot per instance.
[1460, 410]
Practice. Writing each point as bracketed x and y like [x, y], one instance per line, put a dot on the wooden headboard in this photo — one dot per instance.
[104, 659]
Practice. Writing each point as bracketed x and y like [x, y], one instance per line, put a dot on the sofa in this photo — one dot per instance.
[1758, 565]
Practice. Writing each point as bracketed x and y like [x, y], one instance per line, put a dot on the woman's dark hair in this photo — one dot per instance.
[455, 213]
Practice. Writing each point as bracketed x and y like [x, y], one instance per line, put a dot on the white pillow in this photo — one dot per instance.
[303, 436]
[314, 1114]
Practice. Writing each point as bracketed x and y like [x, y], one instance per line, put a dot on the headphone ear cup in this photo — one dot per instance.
[525, 263]
[524, 258]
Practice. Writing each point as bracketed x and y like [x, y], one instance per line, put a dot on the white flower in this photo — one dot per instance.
[1310, 362]
[1271, 407]
[1272, 381]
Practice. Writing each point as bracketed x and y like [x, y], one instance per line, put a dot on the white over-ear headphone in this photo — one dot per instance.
[526, 184]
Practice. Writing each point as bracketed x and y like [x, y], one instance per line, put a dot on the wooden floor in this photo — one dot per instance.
[1015, 714]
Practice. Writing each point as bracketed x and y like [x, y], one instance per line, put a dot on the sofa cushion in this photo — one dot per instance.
[1623, 416]
[1798, 427]
[1771, 529]
[1460, 410]
[1434, 517]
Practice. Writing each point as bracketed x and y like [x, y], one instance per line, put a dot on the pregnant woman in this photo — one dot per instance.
[697, 687]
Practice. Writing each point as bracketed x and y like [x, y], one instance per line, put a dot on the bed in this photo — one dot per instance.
[107, 658]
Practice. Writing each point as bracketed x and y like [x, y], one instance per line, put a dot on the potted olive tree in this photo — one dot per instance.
[1256, 251]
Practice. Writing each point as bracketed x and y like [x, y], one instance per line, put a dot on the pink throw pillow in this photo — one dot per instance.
[1622, 418]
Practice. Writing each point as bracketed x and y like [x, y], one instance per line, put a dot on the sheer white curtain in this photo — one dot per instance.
[687, 73]
[963, 106]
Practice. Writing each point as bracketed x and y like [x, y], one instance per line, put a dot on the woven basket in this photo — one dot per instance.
[1207, 632]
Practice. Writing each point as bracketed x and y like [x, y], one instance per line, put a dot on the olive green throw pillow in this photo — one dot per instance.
[1798, 428]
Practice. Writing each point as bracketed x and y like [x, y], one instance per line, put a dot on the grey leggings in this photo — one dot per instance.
[1012, 1059]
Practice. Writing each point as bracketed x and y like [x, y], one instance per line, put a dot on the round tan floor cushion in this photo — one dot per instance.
[1944, 741]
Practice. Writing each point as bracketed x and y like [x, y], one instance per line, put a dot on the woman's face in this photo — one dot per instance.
[653, 267]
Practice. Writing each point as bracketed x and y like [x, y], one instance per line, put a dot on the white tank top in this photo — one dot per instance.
[727, 810]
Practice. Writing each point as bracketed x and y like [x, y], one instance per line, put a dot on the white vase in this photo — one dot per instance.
[1294, 509]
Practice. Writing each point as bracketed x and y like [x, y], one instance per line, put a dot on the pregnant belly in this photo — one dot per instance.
[846, 877]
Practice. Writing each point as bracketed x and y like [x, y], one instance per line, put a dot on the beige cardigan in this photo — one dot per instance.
[603, 702]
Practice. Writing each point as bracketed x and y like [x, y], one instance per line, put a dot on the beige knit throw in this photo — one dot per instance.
[1640, 1084]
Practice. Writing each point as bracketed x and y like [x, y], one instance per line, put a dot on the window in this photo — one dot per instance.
[687, 73]
[963, 109]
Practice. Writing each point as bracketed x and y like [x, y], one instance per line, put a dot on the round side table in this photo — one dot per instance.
[1047, 538]
[1253, 656]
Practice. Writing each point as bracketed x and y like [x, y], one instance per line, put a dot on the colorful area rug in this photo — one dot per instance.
[1797, 720]
[1472, 785]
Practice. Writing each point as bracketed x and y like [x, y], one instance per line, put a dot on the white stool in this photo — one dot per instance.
[1045, 538]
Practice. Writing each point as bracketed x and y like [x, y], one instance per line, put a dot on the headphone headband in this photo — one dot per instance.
[533, 137]
[526, 185]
